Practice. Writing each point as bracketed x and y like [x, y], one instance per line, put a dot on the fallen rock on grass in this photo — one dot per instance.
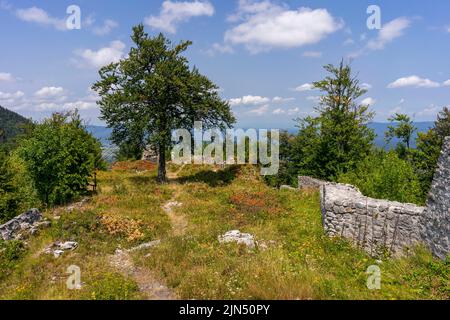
[58, 248]
[236, 236]
[146, 245]
[289, 188]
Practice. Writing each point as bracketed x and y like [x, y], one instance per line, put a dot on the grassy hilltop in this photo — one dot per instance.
[294, 259]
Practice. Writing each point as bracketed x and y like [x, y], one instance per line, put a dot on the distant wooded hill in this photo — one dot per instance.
[11, 124]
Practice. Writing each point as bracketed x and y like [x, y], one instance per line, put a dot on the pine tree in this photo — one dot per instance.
[336, 140]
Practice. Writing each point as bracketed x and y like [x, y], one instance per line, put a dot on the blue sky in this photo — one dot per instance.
[262, 54]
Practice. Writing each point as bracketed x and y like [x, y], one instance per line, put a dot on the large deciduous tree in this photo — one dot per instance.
[153, 91]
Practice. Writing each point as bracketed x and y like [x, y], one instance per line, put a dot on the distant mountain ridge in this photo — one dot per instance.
[103, 133]
[10, 124]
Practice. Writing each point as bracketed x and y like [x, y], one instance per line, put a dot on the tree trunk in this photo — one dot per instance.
[162, 163]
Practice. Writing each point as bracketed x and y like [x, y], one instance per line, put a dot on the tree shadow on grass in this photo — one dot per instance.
[213, 179]
[142, 181]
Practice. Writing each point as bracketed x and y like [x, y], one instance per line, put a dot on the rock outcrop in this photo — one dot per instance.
[239, 238]
[435, 222]
[24, 224]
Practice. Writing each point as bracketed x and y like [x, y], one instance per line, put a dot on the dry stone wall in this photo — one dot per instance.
[381, 226]
[377, 226]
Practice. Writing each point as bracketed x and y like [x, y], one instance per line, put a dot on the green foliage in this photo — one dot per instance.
[286, 174]
[402, 128]
[154, 91]
[11, 126]
[429, 145]
[61, 157]
[336, 140]
[384, 175]
[16, 190]
[113, 286]
[10, 254]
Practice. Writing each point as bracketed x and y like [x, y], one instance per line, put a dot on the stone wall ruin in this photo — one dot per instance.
[381, 226]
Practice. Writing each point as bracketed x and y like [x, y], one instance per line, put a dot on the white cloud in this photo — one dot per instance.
[366, 86]
[219, 48]
[389, 32]
[279, 111]
[293, 111]
[8, 96]
[260, 111]
[312, 54]
[41, 17]
[49, 92]
[265, 25]
[305, 87]
[103, 56]
[413, 81]
[431, 110]
[80, 105]
[106, 28]
[6, 77]
[368, 101]
[446, 83]
[281, 99]
[11, 100]
[173, 13]
[249, 100]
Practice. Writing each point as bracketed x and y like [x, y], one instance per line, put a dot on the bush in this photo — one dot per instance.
[11, 253]
[61, 157]
[384, 175]
[16, 191]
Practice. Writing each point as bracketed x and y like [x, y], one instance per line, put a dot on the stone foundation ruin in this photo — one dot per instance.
[380, 226]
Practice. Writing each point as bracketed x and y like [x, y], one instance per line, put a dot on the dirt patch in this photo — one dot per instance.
[149, 285]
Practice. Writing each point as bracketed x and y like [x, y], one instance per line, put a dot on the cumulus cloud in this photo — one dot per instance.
[413, 81]
[281, 99]
[173, 13]
[104, 56]
[249, 100]
[305, 87]
[260, 111]
[389, 32]
[293, 111]
[106, 28]
[4, 76]
[368, 101]
[49, 92]
[11, 99]
[446, 83]
[41, 17]
[278, 111]
[8, 96]
[264, 25]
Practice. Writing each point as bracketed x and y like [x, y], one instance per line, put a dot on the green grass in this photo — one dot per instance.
[299, 262]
